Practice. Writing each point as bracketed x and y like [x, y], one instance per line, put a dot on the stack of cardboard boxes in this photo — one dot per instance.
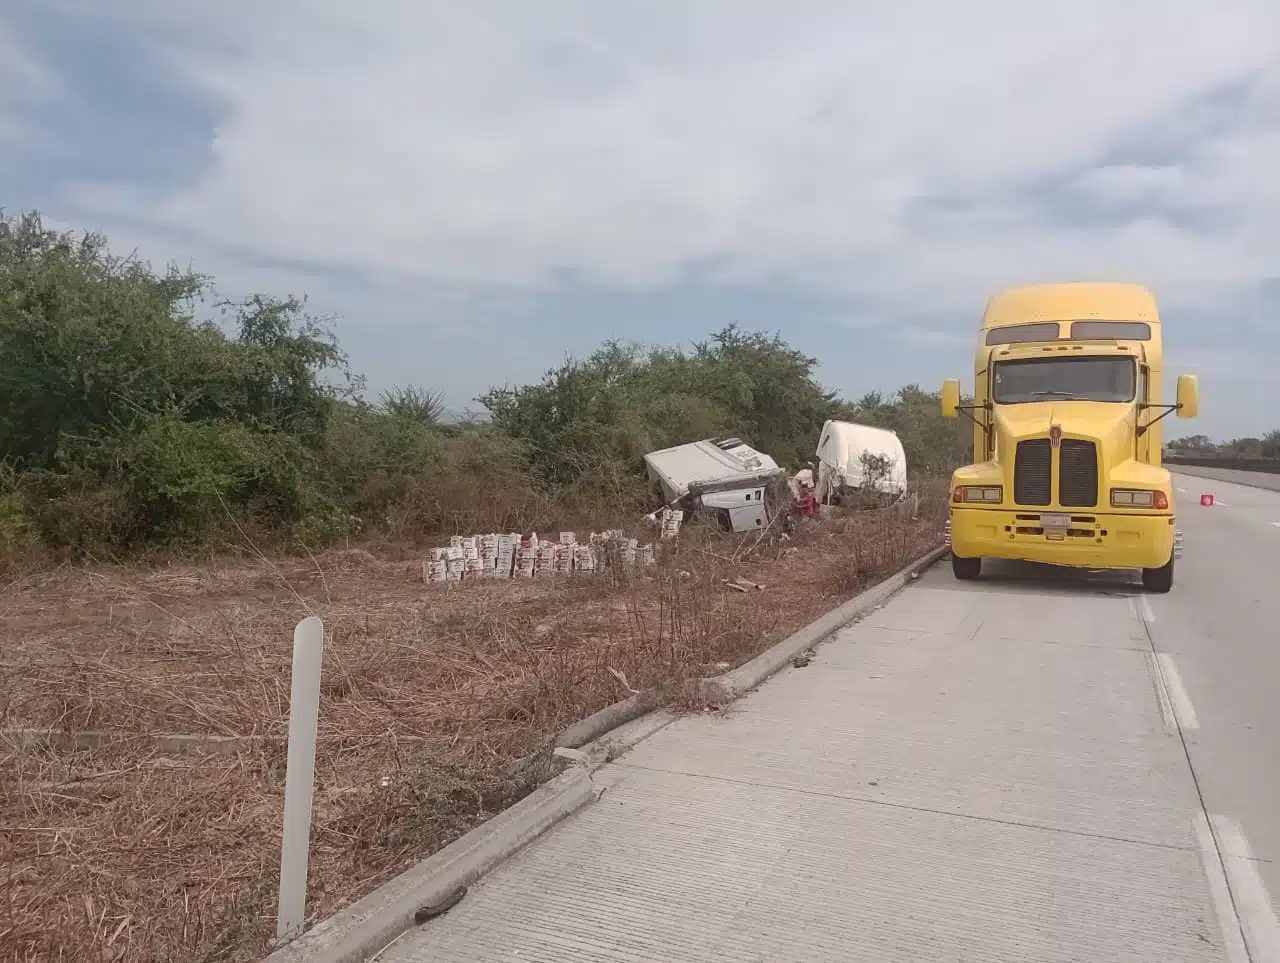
[506, 556]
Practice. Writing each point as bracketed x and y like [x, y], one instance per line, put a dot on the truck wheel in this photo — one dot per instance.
[965, 568]
[1158, 579]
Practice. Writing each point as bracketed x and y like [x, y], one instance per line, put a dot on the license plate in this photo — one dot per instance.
[1055, 520]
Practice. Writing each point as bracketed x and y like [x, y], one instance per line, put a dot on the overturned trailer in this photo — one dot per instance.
[725, 476]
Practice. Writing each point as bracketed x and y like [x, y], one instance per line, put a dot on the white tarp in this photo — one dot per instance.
[840, 465]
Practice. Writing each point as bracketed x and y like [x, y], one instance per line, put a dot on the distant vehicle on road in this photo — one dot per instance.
[1066, 411]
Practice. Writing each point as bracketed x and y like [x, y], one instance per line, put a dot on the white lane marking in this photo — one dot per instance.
[1220, 503]
[1144, 610]
[1276, 524]
[1183, 710]
[1220, 892]
[1182, 491]
[1253, 904]
[1162, 694]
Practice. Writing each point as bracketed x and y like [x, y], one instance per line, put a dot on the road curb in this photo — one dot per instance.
[354, 934]
[360, 930]
[611, 717]
[723, 689]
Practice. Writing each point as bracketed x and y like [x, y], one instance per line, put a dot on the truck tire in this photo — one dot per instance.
[1158, 579]
[965, 568]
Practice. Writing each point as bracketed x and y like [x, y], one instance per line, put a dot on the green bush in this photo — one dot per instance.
[19, 538]
[126, 421]
[610, 409]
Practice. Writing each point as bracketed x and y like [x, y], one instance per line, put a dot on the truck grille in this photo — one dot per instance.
[1078, 474]
[1031, 472]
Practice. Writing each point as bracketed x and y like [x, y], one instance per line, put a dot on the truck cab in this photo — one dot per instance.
[1067, 408]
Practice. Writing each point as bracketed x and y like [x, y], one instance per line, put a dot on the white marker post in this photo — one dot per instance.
[299, 780]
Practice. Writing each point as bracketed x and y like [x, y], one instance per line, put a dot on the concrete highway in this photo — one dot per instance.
[1221, 627]
[1038, 766]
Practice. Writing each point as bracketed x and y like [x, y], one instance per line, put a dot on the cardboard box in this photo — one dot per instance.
[630, 551]
[546, 558]
[670, 520]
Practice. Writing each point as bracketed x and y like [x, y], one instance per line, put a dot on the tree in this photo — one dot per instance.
[1192, 443]
[1270, 447]
[604, 412]
[124, 419]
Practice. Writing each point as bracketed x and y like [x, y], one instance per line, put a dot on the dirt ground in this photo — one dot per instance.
[121, 846]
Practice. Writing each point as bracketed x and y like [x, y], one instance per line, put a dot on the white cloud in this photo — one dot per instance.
[499, 143]
[908, 157]
[24, 80]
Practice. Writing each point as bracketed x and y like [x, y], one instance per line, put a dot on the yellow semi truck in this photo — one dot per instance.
[1066, 413]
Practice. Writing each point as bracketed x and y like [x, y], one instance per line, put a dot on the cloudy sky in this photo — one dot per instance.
[477, 189]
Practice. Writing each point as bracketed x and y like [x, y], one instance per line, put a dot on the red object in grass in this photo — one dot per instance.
[805, 504]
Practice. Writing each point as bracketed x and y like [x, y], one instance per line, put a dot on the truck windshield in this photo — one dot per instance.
[1064, 379]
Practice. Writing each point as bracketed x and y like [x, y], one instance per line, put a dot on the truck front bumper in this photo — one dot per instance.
[1095, 540]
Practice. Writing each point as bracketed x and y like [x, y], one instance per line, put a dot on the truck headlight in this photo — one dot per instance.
[978, 493]
[1138, 498]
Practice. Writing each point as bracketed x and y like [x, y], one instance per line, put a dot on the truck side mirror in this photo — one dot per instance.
[951, 397]
[1188, 396]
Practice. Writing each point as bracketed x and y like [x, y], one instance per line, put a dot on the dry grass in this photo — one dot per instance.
[430, 695]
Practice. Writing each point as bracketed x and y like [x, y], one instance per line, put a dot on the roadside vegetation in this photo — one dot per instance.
[139, 413]
[183, 478]
[1268, 446]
